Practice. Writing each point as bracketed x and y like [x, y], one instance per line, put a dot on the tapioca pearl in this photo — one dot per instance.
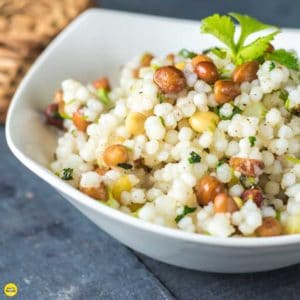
[154, 128]
[223, 125]
[245, 87]
[266, 130]
[256, 94]
[171, 137]
[189, 179]
[200, 100]
[152, 147]
[202, 87]
[236, 190]
[147, 212]
[279, 146]
[244, 145]
[294, 146]
[191, 79]
[272, 188]
[224, 173]
[276, 75]
[273, 117]
[268, 211]
[199, 169]
[205, 139]
[221, 144]
[211, 160]
[288, 179]
[232, 149]
[268, 158]
[185, 134]
[226, 110]
[285, 132]
[162, 109]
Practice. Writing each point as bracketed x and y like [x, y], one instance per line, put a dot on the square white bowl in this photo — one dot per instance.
[98, 43]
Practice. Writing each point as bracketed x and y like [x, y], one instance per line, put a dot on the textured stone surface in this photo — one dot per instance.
[53, 252]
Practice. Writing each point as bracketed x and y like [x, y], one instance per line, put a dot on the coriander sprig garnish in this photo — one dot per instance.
[224, 29]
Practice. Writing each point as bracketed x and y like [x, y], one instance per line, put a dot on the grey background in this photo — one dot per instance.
[53, 252]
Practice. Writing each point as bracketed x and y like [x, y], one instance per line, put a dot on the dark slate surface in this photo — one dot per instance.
[51, 251]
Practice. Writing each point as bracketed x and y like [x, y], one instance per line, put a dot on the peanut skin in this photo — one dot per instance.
[247, 166]
[169, 79]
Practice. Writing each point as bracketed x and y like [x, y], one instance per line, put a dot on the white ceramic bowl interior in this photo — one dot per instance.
[98, 43]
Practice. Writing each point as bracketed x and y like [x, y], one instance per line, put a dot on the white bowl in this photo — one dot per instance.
[97, 43]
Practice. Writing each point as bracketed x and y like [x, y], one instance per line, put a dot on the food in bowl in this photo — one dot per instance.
[204, 142]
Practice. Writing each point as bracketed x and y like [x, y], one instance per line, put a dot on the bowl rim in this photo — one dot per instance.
[101, 208]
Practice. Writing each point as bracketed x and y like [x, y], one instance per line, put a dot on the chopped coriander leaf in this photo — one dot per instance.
[186, 53]
[186, 210]
[67, 174]
[252, 140]
[248, 181]
[287, 104]
[125, 166]
[224, 29]
[218, 52]
[103, 96]
[161, 97]
[272, 66]
[293, 159]
[285, 58]
[194, 158]
[162, 120]
[283, 95]
[235, 110]
[221, 162]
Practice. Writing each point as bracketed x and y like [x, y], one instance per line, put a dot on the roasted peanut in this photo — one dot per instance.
[207, 71]
[79, 121]
[115, 154]
[200, 58]
[146, 60]
[246, 72]
[52, 116]
[102, 83]
[225, 91]
[224, 203]
[171, 58]
[269, 227]
[99, 193]
[254, 194]
[169, 79]
[202, 121]
[247, 166]
[207, 188]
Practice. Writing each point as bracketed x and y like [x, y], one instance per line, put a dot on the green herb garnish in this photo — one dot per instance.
[161, 97]
[221, 162]
[283, 95]
[125, 166]
[224, 29]
[252, 140]
[194, 158]
[103, 96]
[162, 120]
[186, 53]
[218, 52]
[293, 159]
[186, 210]
[272, 66]
[67, 174]
[285, 58]
[235, 110]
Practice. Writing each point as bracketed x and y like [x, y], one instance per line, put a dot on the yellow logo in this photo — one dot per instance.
[10, 289]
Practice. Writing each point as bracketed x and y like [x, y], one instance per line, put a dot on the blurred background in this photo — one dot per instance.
[279, 12]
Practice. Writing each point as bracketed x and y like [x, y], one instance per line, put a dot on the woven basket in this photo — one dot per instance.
[26, 27]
